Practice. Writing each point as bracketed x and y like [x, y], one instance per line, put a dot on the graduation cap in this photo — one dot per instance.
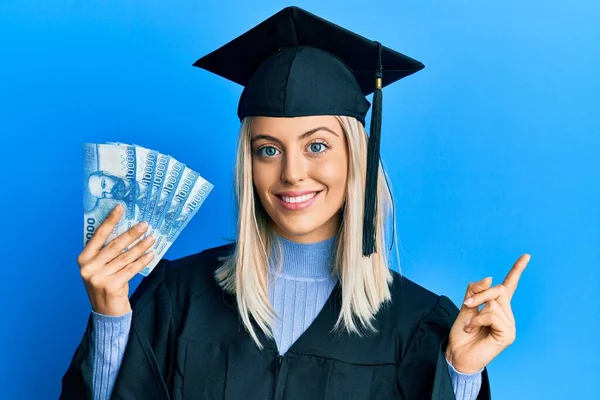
[297, 64]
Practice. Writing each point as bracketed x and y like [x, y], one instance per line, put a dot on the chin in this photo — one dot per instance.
[296, 231]
[303, 231]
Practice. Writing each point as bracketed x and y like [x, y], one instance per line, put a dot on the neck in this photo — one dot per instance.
[302, 260]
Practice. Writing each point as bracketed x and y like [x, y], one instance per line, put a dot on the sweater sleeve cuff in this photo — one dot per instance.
[108, 319]
[110, 334]
[466, 386]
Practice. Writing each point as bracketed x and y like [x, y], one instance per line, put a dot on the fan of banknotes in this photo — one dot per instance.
[151, 186]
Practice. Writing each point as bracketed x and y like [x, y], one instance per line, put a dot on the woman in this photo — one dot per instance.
[303, 304]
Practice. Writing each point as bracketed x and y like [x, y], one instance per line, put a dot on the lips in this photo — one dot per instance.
[297, 200]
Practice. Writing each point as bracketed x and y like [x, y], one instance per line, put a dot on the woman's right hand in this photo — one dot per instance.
[106, 272]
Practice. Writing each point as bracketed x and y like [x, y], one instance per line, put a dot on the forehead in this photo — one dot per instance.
[294, 126]
[95, 178]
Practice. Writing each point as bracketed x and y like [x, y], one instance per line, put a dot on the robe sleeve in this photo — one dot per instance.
[146, 366]
[423, 370]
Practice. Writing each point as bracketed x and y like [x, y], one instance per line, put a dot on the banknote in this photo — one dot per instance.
[198, 194]
[181, 193]
[184, 188]
[175, 171]
[146, 168]
[163, 162]
[188, 209]
[109, 173]
[145, 163]
[151, 187]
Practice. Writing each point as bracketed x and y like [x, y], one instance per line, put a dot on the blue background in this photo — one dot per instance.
[493, 151]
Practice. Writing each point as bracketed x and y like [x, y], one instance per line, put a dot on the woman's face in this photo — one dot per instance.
[299, 169]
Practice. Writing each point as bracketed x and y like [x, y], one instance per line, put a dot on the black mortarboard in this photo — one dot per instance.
[297, 64]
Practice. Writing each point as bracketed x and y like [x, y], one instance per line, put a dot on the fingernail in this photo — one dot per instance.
[149, 238]
[118, 209]
[489, 278]
[143, 225]
[468, 301]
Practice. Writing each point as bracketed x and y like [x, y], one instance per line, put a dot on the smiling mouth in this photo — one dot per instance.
[297, 199]
[297, 202]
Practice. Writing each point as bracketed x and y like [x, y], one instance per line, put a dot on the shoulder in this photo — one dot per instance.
[196, 271]
[203, 261]
[180, 279]
[415, 305]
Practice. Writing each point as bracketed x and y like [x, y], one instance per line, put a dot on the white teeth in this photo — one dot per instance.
[298, 199]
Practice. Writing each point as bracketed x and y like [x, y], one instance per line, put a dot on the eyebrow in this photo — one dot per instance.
[301, 137]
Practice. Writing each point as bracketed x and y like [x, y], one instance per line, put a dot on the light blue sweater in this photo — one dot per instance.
[298, 293]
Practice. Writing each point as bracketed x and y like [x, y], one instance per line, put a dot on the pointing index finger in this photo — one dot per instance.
[512, 279]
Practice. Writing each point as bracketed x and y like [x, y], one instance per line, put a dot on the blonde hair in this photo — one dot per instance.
[364, 280]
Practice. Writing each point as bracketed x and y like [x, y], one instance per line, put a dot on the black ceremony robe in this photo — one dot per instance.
[186, 342]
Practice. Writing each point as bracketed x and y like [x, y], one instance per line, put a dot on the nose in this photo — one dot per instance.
[294, 168]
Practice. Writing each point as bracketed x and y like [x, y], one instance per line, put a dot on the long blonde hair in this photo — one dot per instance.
[364, 280]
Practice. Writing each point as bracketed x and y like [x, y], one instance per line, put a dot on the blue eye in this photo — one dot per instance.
[317, 147]
[267, 151]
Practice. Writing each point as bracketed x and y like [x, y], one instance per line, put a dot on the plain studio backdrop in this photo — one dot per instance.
[493, 151]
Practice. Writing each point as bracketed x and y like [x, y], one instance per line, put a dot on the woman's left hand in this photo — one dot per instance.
[477, 337]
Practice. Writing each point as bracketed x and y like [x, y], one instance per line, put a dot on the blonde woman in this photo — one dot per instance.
[303, 304]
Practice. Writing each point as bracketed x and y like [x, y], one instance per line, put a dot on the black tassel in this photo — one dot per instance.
[369, 234]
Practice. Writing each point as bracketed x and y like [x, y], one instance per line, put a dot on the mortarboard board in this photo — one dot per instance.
[298, 64]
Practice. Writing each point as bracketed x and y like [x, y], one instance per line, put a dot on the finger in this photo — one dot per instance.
[129, 256]
[482, 297]
[99, 238]
[494, 307]
[493, 317]
[477, 287]
[498, 293]
[512, 279]
[130, 270]
[116, 246]
[473, 288]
